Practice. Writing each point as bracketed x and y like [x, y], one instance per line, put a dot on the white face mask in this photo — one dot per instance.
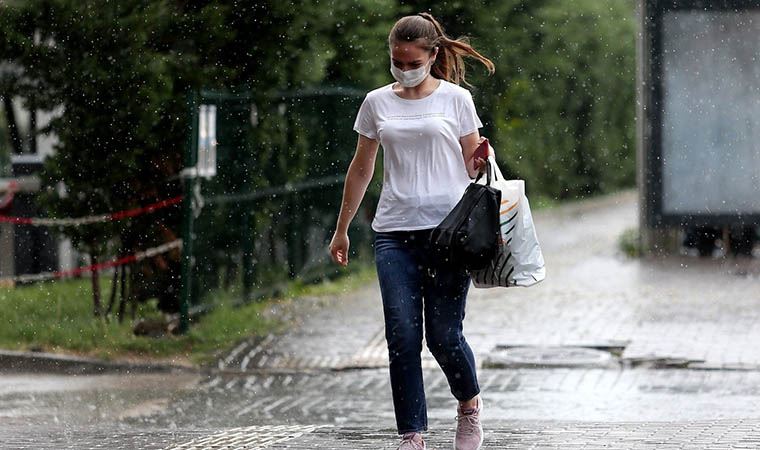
[411, 78]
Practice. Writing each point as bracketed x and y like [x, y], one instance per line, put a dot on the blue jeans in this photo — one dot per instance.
[408, 274]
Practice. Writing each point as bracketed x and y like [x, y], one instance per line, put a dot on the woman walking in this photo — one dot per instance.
[428, 127]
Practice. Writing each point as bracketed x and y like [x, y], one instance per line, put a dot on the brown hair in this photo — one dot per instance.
[449, 64]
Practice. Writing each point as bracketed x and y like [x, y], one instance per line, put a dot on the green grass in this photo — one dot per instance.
[629, 244]
[57, 317]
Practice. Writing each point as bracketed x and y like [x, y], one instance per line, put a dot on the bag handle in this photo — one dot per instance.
[496, 171]
[488, 173]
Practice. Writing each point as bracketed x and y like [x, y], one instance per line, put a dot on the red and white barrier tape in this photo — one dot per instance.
[77, 221]
[177, 243]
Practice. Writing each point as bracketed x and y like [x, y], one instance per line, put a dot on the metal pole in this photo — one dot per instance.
[654, 237]
[188, 217]
[294, 234]
[642, 68]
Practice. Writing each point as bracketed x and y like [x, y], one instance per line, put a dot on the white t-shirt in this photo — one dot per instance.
[424, 175]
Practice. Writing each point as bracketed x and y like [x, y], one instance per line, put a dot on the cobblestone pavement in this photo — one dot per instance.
[525, 408]
[606, 353]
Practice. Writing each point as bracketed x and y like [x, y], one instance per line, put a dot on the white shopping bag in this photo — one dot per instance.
[519, 261]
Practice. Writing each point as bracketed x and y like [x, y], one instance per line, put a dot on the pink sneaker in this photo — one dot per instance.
[412, 441]
[469, 435]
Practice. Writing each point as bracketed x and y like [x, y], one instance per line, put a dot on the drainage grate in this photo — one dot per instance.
[551, 357]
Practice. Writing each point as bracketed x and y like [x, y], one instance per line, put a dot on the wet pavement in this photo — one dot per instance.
[608, 352]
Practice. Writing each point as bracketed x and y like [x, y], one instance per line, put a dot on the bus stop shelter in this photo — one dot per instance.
[698, 118]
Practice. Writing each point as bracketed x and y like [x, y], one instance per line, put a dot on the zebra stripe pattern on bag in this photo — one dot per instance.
[493, 273]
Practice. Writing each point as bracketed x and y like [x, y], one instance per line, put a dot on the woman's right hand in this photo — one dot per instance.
[480, 163]
[339, 248]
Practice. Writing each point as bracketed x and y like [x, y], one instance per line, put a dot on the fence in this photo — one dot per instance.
[266, 216]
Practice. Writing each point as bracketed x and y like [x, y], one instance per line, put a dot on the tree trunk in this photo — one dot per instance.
[114, 286]
[133, 310]
[95, 288]
[272, 237]
[124, 294]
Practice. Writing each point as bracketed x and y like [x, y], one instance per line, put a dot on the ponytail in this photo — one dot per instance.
[449, 64]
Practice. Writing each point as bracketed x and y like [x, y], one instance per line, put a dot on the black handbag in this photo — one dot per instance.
[469, 234]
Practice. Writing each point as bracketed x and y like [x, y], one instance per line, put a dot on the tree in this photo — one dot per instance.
[115, 69]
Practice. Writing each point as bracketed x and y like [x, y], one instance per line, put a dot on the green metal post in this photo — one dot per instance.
[191, 156]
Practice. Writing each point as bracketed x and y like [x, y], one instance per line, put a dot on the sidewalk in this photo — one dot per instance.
[608, 352]
[570, 435]
[526, 408]
[702, 312]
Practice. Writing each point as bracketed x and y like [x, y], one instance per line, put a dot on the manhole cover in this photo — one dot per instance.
[548, 357]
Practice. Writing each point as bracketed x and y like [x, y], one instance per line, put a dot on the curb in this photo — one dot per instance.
[51, 363]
